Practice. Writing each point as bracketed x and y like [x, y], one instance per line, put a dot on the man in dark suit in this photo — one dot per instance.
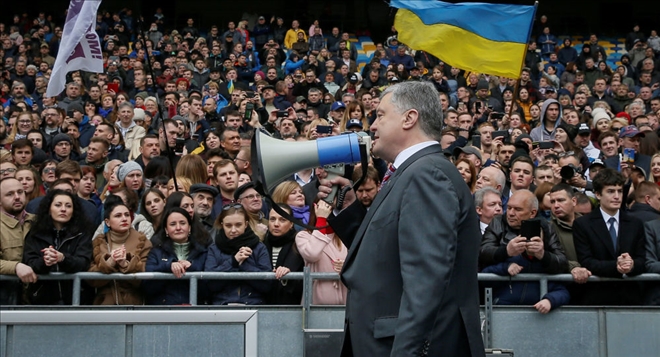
[411, 270]
[609, 242]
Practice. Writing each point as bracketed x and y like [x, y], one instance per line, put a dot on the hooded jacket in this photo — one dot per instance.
[540, 133]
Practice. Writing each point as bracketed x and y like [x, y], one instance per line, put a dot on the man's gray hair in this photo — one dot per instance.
[125, 104]
[481, 194]
[423, 97]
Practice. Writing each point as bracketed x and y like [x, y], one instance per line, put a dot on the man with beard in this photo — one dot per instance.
[15, 223]
[97, 157]
[203, 197]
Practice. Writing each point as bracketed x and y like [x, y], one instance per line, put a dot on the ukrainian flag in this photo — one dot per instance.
[479, 37]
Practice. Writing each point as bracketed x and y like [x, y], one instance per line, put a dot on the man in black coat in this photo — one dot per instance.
[647, 202]
[609, 242]
[412, 262]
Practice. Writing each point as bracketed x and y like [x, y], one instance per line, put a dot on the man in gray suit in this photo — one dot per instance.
[411, 270]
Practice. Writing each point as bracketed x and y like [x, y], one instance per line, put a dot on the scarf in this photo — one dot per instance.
[105, 112]
[301, 213]
[231, 246]
[182, 250]
[282, 240]
[116, 239]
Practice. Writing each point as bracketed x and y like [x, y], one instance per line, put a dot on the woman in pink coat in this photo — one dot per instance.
[323, 252]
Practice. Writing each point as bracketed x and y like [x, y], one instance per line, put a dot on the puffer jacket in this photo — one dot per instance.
[174, 292]
[248, 292]
[119, 292]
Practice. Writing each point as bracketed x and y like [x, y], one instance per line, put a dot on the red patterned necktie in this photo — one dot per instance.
[390, 171]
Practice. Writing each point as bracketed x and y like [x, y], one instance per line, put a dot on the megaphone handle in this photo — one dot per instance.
[331, 196]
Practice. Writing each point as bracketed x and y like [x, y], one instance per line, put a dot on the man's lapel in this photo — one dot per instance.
[382, 195]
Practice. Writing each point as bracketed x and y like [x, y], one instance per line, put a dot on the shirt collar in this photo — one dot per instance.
[408, 152]
[607, 217]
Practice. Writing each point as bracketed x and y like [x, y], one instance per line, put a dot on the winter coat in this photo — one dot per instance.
[132, 139]
[173, 292]
[319, 251]
[248, 292]
[119, 292]
[77, 250]
[284, 291]
[12, 241]
[140, 223]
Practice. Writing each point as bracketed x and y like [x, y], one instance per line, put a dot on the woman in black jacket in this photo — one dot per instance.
[57, 242]
[281, 243]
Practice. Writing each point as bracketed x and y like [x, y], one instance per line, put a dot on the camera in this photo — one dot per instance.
[569, 171]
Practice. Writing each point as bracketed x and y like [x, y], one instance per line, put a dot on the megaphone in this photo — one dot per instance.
[274, 160]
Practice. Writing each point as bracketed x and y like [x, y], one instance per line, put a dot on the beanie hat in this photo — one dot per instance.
[61, 137]
[623, 115]
[126, 168]
[183, 80]
[483, 84]
[138, 114]
[598, 114]
[571, 130]
[77, 107]
[142, 95]
[263, 76]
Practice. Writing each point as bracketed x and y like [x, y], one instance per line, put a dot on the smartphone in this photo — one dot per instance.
[113, 87]
[530, 228]
[249, 107]
[476, 141]
[477, 106]
[497, 116]
[546, 145]
[180, 144]
[629, 156]
[503, 133]
[249, 94]
[461, 105]
[282, 114]
[323, 129]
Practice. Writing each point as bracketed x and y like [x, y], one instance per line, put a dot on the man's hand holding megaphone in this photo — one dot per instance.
[325, 188]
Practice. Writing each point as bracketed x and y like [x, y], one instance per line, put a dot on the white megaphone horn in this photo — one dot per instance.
[274, 160]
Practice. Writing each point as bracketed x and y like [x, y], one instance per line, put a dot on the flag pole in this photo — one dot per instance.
[522, 65]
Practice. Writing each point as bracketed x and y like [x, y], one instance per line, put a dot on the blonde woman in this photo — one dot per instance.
[312, 134]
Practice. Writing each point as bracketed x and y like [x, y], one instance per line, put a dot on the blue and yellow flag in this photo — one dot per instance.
[486, 38]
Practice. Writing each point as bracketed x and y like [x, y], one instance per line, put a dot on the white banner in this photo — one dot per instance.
[80, 48]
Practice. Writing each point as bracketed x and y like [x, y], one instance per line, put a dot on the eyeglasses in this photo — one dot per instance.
[564, 154]
[232, 205]
[251, 197]
[49, 170]
[241, 159]
[25, 121]
[9, 170]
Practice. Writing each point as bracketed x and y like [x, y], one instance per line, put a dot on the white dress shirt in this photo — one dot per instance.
[607, 217]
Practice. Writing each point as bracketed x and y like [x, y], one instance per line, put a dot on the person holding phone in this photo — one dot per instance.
[503, 237]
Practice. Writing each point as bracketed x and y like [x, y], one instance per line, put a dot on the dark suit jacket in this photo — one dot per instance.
[411, 270]
[597, 253]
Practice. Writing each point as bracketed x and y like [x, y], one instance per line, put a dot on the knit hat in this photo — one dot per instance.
[183, 80]
[77, 107]
[623, 115]
[60, 137]
[263, 76]
[142, 95]
[483, 84]
[571, 130]
[126, 168]
[138, 114]
[598, 114]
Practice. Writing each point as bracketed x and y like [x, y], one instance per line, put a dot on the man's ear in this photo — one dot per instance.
[410, 119]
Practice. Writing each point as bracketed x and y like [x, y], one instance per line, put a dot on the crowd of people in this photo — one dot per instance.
[146, 167]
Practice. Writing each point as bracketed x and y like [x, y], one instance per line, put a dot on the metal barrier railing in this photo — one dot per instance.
[307, 276]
